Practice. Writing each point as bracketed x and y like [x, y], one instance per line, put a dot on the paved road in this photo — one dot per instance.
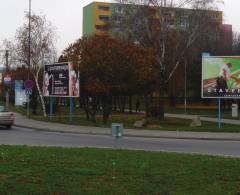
[21, 136]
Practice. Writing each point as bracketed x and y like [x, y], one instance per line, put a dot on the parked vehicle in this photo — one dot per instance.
[6, 117]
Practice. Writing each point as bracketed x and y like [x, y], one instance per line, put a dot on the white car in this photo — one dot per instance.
[6, 117]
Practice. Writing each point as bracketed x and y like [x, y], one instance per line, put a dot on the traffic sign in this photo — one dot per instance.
[28, 84]
[7, 79]
[28, 91]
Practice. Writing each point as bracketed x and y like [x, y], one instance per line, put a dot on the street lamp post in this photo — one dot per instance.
[185, 87]
[29, 54]
[6, 71]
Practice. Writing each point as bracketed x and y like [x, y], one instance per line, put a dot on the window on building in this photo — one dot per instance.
[118, 9]
[104, 18]
[183, 22]
[101, 27]
[103, 8]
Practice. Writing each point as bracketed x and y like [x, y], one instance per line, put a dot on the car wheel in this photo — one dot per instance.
[9, 126]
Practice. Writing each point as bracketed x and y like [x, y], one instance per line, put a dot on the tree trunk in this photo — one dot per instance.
[115, 103]
[41, 97]
[146, 100]
[106, 108]
[93, 116]
[122, 103]
[94, 105]
[118, 102]
[85, 105]
[161, 106]
[130, 104]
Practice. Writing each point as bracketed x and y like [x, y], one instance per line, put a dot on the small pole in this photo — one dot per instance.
[7, 70]
[7, 65]
[71, 114]
[29, 55]
[7, 99]
[51, 107]
[219, 113]
[185, 88]
[28, 105]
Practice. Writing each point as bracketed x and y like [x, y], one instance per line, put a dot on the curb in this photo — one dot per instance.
[60, 131]
[132, 135]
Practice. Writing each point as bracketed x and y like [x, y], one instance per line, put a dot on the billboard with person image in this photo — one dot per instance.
[60, 80]
[221, 77]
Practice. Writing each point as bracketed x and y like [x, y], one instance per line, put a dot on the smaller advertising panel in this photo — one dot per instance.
[221, 77]
[20, 96]
[60, 80]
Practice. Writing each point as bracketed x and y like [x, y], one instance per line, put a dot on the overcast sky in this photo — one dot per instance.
[66, 16]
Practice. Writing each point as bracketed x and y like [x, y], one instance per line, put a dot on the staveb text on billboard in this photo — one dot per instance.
[60, 80]
[221, 77]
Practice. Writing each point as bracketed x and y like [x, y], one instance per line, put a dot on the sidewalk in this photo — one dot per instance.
[207, 119]
[23, 121]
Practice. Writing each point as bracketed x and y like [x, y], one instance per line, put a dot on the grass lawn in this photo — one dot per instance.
[35, 170]
[203, 112]
[170, 124]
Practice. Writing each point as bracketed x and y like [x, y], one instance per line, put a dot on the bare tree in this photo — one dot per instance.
[170, 27]
[7, 45]
[42, 49]
[236, 43]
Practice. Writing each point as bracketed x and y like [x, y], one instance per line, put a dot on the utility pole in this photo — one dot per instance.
[29, 55]
[185, 87]
[7, 70]
[6, 56]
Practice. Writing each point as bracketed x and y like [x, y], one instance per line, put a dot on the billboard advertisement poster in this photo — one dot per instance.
[60, 80]
[221, 77]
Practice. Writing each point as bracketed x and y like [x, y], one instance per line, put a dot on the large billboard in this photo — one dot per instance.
[221, 77]
[60, 80]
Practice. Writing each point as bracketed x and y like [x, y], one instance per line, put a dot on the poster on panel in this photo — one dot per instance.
[20, 95]
[60, 80]
[221, 77]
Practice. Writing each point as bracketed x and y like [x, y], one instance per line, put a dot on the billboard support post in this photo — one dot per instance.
[219, 113]
[7, 99]
[185, 89]
[71, 113]
[51, 107]
[28, 106]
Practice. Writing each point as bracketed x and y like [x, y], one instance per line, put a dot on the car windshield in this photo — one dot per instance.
[3, 109]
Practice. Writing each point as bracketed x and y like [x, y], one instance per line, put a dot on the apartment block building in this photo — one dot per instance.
[97, 16]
